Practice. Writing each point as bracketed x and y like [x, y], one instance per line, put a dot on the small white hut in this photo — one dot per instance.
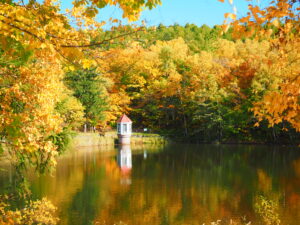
[124, 129]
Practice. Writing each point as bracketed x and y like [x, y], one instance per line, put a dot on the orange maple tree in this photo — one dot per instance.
[279, 24]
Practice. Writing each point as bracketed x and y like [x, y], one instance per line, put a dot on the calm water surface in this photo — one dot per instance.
[177, 184]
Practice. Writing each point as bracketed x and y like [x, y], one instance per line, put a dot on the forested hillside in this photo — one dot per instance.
[193, 82]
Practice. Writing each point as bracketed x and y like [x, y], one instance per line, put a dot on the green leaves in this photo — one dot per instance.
[62, 139]
[18, 53]
[90, 89]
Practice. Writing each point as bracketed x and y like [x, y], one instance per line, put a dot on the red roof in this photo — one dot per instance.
[124, 119]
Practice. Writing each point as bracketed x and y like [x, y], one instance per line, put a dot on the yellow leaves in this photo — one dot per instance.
[90, 12]
[131, 9]
[288, 26]
[269, 32]
[29, 103]
[281, 103]
[277, 107]
[70, 68]
[31, 92]
[266, 70]
[87, 63]
[43, 45]
[36, 212]
[165, 69]
[175, 77]
[276, 23]
[176, 47]
[230, 15]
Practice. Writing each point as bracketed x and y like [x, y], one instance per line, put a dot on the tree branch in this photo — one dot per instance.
[21, 29]
[101, 42]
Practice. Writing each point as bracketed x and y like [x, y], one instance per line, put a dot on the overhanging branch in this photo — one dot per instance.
[101, 42]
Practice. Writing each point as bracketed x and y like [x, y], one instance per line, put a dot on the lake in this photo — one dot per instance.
[173, 184]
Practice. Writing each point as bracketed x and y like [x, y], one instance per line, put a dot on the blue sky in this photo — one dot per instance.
[199, 12]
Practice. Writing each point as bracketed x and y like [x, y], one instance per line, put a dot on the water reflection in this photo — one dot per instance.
[124, 159]
[180, 185]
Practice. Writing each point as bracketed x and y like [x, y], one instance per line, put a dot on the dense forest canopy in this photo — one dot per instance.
[195, 82]
[237, 81]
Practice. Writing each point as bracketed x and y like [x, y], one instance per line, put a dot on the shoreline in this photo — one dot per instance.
[95, 139]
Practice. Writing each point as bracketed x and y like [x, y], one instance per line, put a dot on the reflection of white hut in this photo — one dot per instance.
[124, 159]
[124, 128]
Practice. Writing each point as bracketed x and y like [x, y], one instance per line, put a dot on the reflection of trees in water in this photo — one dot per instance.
[19, 206]
[85, 184]
[196, 187]
[182, 185]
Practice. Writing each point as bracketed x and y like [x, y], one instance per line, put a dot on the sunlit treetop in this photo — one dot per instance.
[44, 22]
[131, 9]
[261, 21]
[279, 23]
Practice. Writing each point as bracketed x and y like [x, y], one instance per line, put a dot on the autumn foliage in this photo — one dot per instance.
[35, 212]
[236, 82]
[201, 84]
[37, 46]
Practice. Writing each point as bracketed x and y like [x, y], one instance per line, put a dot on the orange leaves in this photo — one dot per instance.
[245, 19]
[28, 99]
[281, 103]
[275, 23]
[230, 15]
[270, 74]
[277, 107]
[28, 112]
[259, 19]
[39, 212]
[115, 20]
[255, 10]
[41, 24]
[245, 74]
[131, 9]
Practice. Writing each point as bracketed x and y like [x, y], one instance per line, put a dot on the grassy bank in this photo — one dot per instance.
[111, 138]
